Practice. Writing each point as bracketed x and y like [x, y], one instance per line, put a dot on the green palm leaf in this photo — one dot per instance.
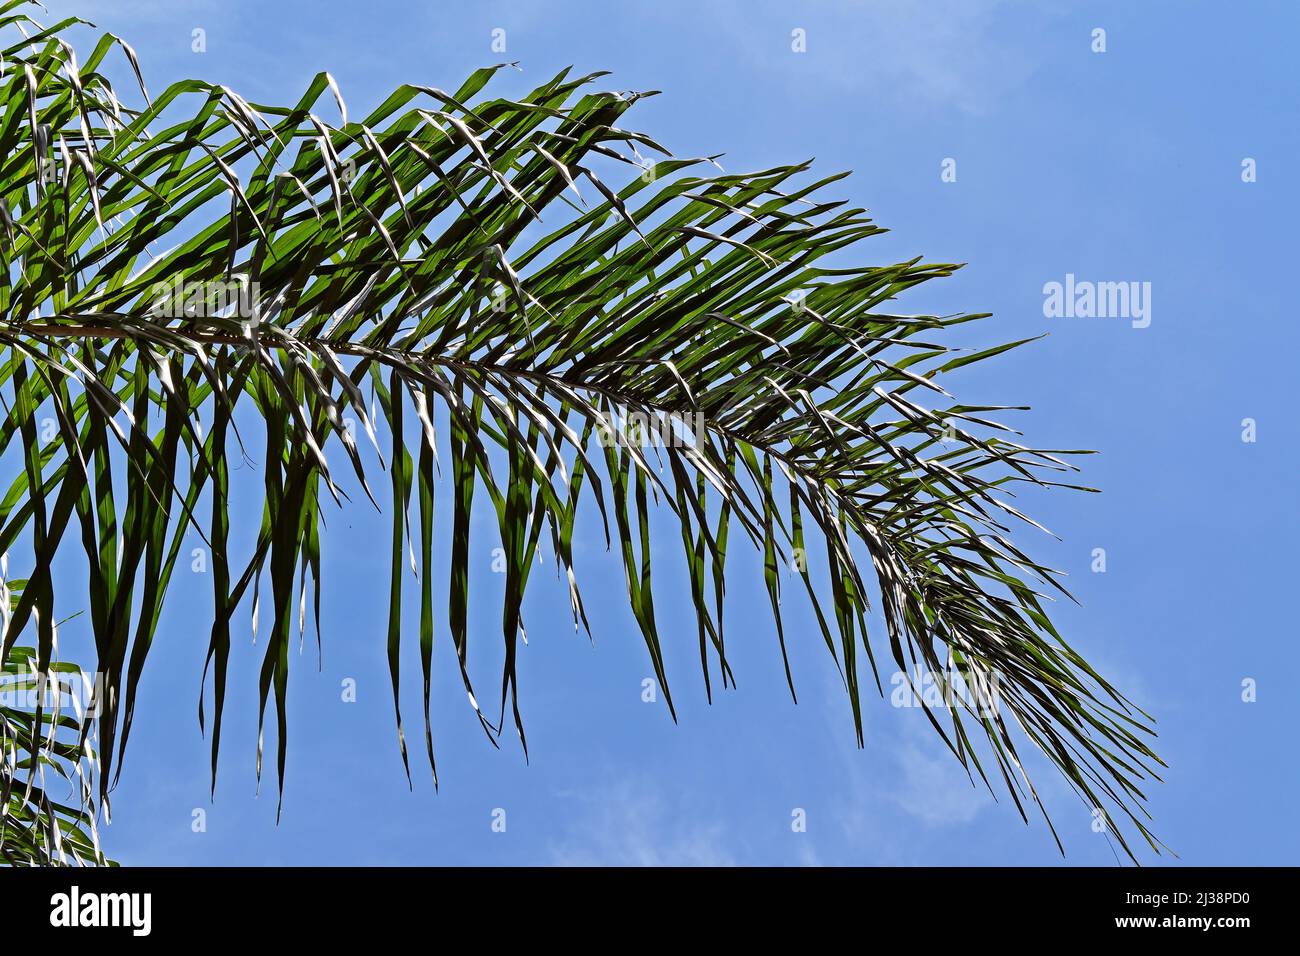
[591, 329]
[47, 765]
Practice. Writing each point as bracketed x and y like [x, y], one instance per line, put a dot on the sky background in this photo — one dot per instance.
[1116, 166]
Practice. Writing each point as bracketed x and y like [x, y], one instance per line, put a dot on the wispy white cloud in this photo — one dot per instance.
[931, 784]
[922, 54]
[633, 823]
[903, 772]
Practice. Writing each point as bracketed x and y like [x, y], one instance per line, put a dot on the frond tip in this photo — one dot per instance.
[675, 334]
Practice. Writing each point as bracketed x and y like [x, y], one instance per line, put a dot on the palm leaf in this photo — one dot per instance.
[395, 271]
[47, 766]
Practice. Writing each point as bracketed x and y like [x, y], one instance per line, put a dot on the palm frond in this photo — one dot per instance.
[47, 765]
[671, 333]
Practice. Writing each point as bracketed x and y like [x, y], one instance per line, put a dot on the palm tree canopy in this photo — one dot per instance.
[592, 321]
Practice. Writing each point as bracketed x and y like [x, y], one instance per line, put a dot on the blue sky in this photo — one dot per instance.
[1117, 166]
